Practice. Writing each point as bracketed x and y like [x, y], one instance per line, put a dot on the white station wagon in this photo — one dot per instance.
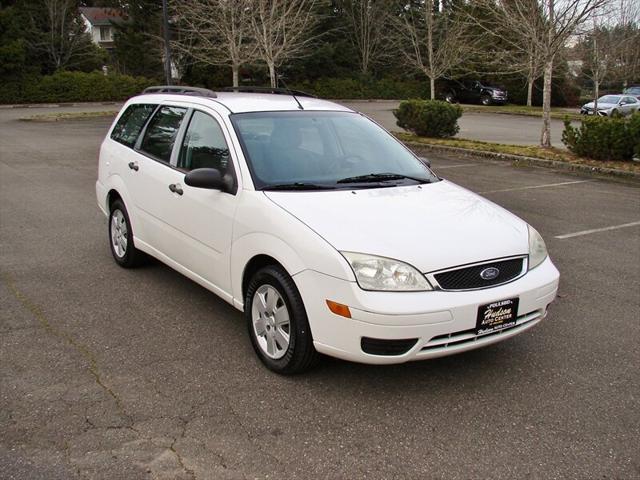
[325, 230]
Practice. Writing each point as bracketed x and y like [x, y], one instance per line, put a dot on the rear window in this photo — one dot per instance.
[131, 122]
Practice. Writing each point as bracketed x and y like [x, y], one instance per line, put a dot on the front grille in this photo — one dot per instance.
[378, 346]
[448, 340]
[467, 278]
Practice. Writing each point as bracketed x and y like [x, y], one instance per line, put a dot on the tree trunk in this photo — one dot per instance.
[432, 87]
[234, 70]
[596, 95]
[545, 138]
[529, 92]
[272, 74]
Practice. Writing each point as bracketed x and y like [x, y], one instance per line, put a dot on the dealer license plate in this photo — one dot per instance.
[497, 316]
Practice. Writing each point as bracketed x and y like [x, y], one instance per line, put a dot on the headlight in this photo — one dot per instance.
[537, 248]
[387, 274]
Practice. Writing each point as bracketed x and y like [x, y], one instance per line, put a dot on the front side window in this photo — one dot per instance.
[131, 122]
[325, 150]
[161, 132]
[204, 145]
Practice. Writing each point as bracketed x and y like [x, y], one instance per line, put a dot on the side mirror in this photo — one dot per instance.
[209, 178]
[426, 161]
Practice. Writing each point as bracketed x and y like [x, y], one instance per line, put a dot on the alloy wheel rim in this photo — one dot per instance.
[119, 233]
[271, 323]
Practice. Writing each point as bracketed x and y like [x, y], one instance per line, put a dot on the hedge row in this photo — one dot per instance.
[604, 138]
[73, 87]
[429, 118]
[350, 88]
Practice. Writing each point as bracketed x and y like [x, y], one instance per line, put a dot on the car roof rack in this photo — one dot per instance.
[180, 90]
[273, 90]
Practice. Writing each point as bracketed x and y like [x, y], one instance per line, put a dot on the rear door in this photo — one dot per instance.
[153, 199]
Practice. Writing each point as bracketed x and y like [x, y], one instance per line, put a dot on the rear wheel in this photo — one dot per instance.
[277, 322]
[121, 237]
[485, 100]
[450, 98]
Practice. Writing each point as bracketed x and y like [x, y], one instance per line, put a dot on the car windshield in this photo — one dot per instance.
[609, 99]
[312, 150]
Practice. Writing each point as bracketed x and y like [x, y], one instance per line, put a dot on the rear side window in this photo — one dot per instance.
[161, 132]
[130, 123]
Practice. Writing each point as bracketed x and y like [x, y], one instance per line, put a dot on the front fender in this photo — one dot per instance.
[253, 244]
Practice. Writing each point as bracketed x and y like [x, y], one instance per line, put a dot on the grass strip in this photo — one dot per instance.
[57, 117]
[532, 151]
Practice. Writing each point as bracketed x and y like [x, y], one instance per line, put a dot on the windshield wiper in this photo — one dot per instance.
[380, 177]
[298, 186]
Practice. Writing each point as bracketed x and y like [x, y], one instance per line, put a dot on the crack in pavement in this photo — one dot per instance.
[61, 334]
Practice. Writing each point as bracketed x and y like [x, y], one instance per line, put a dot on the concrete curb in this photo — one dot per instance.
[537, 162]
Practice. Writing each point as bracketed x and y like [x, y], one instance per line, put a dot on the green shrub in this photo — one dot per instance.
[73, 87]
[633, 127]
[429, 118]
[604, 138]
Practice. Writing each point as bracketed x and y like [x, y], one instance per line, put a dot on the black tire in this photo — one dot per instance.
[300, 354]
[130, 257]
[450, 98]
[485, 100]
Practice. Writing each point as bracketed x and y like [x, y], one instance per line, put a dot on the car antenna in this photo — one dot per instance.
[291, 93]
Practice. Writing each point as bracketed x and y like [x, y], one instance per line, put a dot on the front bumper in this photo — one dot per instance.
[442, 322]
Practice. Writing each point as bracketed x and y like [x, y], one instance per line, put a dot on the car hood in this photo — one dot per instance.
[431, 227]
[601, 106]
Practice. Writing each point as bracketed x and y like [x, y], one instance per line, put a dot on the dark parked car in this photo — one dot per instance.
[633, 90]
[473, 91]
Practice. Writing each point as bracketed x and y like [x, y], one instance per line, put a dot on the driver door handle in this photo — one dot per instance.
[134, 166]
[176, 188]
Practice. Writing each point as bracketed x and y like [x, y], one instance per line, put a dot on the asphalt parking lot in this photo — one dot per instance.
[486, 127]
[142, 374]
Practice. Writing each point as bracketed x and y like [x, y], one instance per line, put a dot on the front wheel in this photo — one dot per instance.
[450, 98]
[485, 100]
[277, 322]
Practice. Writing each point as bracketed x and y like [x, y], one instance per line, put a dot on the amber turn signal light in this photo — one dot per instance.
[339, 309]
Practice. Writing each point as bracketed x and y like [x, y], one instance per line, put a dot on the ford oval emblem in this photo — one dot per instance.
[489, 273]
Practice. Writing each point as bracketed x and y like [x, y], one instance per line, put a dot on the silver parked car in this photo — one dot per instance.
[612, 106]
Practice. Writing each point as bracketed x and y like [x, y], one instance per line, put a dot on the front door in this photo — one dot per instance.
[202, 219]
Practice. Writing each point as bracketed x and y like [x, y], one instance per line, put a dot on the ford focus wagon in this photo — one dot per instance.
[328, 233]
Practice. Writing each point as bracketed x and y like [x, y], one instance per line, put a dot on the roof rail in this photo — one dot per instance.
[180, 90]
[273, 90]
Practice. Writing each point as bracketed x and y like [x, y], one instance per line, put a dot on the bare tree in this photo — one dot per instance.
[626, 34]
[550, 29]
[432, 40]
[368, 22]
[598, 46]
[216, 32]
[284, 29]
[63, 37]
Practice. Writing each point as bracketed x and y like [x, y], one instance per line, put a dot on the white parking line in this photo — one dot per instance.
[538, 186]
[596, 230]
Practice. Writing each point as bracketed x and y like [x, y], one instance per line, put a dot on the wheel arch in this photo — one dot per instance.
[252, 252]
